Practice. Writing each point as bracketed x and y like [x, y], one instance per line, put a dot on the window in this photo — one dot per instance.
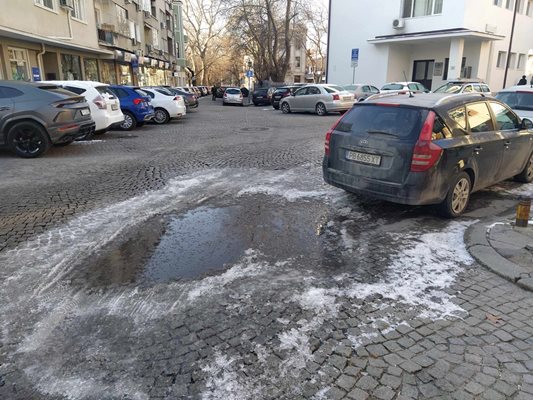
[517, 100]
[521, 61]
[298, 62]
[314, 90]
[9, 93]
[374, 89]
[123, 25]
[18, 64]
[420, 8]
[78, 12]
[71, 67]
[46, 3]
[505, 119]
[498, 3]
[479, 118]
[301, 92]
[366, 89]
[91, 69]
[509, 4]
[502, 56]
[458, 116]
[74, 89]
[512, 61]
[468, 89]
[529, 8]
[440, 130]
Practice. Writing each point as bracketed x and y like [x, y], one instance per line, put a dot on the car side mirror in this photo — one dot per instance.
[527, 124]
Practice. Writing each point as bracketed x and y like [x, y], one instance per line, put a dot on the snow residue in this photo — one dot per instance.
[289, 194]
[87, 142]
[224, 382]
[522, 190]
[320, 300]
[296, 342]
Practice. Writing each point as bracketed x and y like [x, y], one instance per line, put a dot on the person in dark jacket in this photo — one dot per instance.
[523, 81]
[245, 92]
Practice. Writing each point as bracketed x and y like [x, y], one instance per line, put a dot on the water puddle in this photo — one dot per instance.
[206, 240]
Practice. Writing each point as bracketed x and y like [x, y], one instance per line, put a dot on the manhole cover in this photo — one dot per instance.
[255, 129]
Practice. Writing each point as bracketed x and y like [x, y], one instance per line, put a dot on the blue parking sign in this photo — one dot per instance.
[355, 57]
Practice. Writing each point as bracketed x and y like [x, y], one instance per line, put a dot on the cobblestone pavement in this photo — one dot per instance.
[318, 295]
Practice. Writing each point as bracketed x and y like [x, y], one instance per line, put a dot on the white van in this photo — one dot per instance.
[104, 105]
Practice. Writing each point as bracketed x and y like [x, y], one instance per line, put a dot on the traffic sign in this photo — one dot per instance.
[355, 57]
[250, 73]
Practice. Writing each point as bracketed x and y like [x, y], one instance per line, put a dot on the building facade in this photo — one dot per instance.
[112, 41]
[430, 41]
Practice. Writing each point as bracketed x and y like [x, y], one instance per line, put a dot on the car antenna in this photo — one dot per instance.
[408, 88]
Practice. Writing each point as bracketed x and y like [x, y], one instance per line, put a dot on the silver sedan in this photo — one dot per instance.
[361, 91]
[319, 99]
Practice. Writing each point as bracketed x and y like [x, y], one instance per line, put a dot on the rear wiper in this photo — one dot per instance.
[381, 133]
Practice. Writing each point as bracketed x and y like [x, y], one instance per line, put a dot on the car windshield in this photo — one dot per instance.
[401, 122]
[233, 91]
[392, 86]
[517, 100]
[449, 88]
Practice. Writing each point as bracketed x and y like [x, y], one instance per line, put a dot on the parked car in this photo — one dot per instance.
[361, 91]
[135, 105]
[318, 98]
[34, 116]
[104, 105]
[233, 95]
[519, 98]
[166, 104]
[191, 100]
[414, 87]
[280, 93]
[220, 92]
[428, 149]
[456, 87]
[260, 97]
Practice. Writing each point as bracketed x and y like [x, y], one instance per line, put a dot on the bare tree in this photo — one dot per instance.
[316, 17]
[205, 28]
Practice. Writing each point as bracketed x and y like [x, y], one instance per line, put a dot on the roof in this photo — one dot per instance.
[424, 100]
[443, 34]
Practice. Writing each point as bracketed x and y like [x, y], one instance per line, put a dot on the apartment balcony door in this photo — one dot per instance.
[423, 72]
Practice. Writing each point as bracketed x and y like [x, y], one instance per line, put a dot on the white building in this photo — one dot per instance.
[429, 41]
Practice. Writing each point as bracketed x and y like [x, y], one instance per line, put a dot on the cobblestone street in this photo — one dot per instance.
[206, 259]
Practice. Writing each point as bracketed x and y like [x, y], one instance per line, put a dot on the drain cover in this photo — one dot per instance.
[255, 129]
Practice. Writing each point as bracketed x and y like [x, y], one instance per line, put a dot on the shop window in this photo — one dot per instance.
[78, 12]
[109, 74]
[91, 69]
[71, 67]
[18, 64]
[125, 74]
[46, 3]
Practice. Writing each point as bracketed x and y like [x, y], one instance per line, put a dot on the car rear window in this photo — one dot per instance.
[165, 92]
[449, 88]
[233, 91]
[74, 89]
[517, 100]
[140, 92]
[104, 90]
[392, 86]
[401, 122]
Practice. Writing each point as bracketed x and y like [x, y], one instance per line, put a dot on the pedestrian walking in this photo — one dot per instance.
[214, 93]
[523, 81]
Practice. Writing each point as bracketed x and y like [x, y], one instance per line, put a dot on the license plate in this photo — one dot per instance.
[347, 98]
[114, 107]
[363, 157]
[85, 111]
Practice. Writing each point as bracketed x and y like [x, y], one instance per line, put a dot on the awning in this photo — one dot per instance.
[434, 36]
[33, 38]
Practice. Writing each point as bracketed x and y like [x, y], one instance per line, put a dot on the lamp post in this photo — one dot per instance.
[508, 61]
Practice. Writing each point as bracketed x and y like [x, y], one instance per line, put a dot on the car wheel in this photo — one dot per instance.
[321, 109]
[129, 122]
[458, 196]
[28, 139]
[526, 175]
[161, 116]
[285, 108]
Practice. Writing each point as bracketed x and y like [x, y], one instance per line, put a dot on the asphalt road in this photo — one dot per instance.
[206, 259]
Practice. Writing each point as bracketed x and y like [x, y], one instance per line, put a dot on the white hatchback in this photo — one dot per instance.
[104, 105]
[232, 96]
[166, 104]
[519, 98]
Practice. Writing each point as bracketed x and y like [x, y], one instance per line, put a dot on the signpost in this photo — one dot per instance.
[250, 75]
[355, 62]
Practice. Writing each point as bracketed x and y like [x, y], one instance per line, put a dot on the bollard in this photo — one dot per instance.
[522, 213]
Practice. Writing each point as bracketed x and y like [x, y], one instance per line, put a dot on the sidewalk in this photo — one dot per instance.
[503, 248]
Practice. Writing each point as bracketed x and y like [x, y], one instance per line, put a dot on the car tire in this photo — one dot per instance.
[129, 121]
[526, 176]
[161, 116]
[321, 109]
[28, 139]
[285, 108]
[458, 196]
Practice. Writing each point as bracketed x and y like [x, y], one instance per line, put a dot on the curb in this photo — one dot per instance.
[480, 249]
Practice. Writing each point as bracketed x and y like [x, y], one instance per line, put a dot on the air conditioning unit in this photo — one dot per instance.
[398, 23]
[69, 4]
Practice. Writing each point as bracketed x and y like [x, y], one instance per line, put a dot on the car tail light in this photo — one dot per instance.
[328, 135]
[336, 97]
[426, 153]
[137, 101]
[100, 102]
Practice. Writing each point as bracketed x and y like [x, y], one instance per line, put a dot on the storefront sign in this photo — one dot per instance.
[36, 72]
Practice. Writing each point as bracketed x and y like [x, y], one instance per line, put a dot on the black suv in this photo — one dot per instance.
[428, 148]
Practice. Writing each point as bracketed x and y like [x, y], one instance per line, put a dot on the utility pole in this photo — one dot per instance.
[516, 3]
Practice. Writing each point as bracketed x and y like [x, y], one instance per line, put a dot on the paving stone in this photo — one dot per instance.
[346, 382]
[358, 394]
[392, 381]
[410, 366]
[428, 390]
[383, 393]
[474, 388]
[367, 383]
